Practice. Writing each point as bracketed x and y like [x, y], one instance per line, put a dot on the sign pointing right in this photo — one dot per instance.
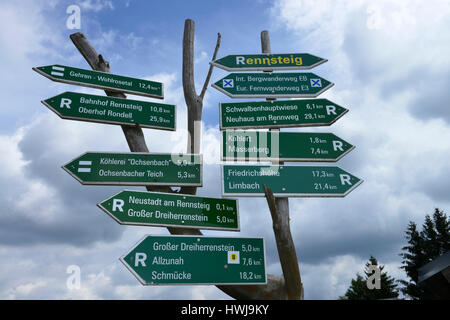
[279, 113]
[282, 146]
[287, 181]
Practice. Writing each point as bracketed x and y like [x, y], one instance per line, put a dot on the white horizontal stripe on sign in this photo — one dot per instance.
[60, 74]
[57, 68]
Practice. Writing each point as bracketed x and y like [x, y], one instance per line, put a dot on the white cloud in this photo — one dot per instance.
[24, 290]
[96, 5]
[10, 156]
[203, 56]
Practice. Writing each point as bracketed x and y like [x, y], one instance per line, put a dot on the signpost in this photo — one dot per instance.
[282, 146]
[98, 168]
[172, 210]
[102, 80]
[188, 260]
[272, 85]
[287, 181]
[268, 62]
[88, 107]
[279, 114]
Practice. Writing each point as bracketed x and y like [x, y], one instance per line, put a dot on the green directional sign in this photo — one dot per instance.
[268, 62]
[170, 260]
[272, 85]
[102, 80]
[88, 107]
[99, 168]
[282, 146]
[172, 210]
[279, 114]
[287, 181]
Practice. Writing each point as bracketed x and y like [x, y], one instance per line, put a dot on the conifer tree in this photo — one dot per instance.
[422, 248]
[443, 230]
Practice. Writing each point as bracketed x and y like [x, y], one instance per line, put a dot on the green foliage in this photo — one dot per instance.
[359, 290]
[422, 248]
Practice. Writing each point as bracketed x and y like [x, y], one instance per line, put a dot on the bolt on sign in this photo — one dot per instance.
[189, 260]
[268, 62]
[93, 108]
[282, 146]
[102, 80]
[279, 114]
[172, 210]
[272, 85]
[135, 168]
[287, 181]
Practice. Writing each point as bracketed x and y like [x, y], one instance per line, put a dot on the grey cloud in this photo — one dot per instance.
[46, 205]
[79, 224]
[435, 185]
[351, 226]
[376, 64]
[432, 95]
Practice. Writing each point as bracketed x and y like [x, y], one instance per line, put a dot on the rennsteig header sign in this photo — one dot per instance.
[268, 62]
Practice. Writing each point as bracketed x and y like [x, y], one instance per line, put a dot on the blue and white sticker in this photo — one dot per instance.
[316, 83]
[228, 83]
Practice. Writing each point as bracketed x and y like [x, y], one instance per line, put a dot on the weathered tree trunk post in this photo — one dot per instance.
[279, 209]
[275, 287]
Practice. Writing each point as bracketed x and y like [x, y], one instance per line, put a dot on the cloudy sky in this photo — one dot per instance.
[390, 64]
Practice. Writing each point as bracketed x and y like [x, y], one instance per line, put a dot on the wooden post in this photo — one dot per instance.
[275, 286]
[279, 209]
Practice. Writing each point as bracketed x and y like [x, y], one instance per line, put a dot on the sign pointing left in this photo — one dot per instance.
[136, 169]
[102, 80]
[172, 210]
[93, 108]
[190, 260]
